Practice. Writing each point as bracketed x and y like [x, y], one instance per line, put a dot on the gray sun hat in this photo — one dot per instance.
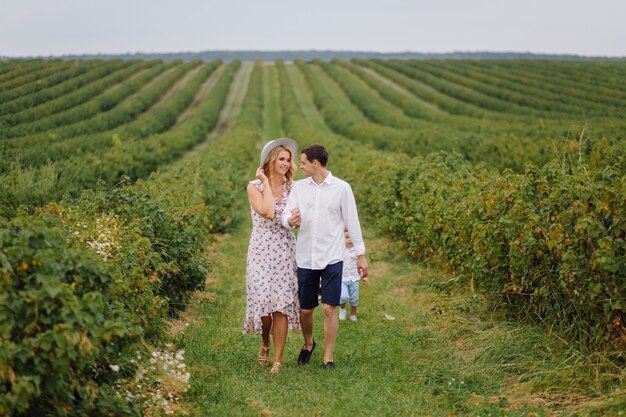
[290, 143]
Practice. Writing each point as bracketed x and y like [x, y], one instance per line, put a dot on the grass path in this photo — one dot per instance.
[178, 84]
[271, 116]
[231, 109]
[414, 351]
[401, 89]
[400, 358]
[305, 100]
[204, 89]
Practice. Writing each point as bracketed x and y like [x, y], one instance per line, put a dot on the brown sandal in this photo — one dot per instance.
[276, 368]
[264, 356]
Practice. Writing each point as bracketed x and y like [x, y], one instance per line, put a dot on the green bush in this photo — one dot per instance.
[548, 244]
[61, 331]
[157, 258]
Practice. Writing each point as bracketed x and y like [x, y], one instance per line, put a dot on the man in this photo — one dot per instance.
[321, 206]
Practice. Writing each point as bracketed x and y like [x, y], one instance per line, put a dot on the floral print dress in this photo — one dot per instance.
[271, 281]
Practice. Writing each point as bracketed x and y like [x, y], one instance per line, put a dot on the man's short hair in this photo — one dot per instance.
[316, 152]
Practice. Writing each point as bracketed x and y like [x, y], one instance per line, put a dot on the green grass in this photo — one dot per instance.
[385, 367]
[271, 116]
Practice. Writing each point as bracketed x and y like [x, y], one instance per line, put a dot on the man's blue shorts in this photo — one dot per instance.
[309, 285]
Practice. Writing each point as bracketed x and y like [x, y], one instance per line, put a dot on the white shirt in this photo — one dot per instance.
[350, 270]
[325, 209]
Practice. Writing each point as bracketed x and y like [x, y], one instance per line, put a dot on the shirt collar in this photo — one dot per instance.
[328, 180]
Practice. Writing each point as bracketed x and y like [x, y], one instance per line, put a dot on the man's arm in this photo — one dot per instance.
[351, 221]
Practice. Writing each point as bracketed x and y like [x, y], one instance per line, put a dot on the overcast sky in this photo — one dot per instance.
[48, 27]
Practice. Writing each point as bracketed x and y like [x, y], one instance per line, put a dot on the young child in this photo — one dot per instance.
[350, 280]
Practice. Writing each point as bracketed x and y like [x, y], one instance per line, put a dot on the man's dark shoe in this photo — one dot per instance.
[329, 365]
[305, 355]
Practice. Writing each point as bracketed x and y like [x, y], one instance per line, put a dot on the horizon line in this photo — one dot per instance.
[331, 51]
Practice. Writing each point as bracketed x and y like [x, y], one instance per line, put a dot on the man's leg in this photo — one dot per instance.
[331, 327]
[308, 287]
[306, 322]
[331, 298]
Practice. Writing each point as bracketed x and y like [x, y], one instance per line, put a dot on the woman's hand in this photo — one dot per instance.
[260, 175]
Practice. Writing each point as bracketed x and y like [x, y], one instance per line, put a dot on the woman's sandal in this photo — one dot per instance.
[264, 356]
[276, 368]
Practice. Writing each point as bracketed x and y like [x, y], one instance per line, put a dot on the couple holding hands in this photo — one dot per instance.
[284, 275]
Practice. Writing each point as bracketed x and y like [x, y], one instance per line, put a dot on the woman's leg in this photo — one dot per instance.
[264, 352]
[266, 327]
[279, 331]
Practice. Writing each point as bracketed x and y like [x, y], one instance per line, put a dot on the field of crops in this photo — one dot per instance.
[115, 175]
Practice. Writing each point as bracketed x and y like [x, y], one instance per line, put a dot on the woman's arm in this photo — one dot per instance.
[262, 202]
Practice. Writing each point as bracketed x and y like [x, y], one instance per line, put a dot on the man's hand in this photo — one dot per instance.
[295, 219]
[361, 266]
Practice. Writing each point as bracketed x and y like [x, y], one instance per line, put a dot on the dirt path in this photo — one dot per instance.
[177, 85]
[127, 80]
[202, 92]
[232, 107]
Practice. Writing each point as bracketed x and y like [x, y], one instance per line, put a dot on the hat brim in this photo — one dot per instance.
[288, 142]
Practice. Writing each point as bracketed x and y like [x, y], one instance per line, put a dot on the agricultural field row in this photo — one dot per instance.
[103, 204]
[547, 242]
[115, 262]
[486, 111]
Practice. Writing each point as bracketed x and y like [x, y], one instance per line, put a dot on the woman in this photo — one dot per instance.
[271, 283]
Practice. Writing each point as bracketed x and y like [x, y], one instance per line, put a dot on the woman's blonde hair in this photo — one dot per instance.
[268, 166]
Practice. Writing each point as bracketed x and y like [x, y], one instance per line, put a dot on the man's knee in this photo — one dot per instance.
[306, 313]
[329, 309]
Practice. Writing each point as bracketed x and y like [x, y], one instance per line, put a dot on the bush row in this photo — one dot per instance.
[121, 259]
[462, 92]
[60, 329]
[59, 111]
[125, 156]
[124, 113]
[70, 81]
[159, 118]
[30, 72]
[147, 90]
[49, 76]
[499, 143]
[538, 93]
[410, 104]
[546, 245]
[377, 110]
[604, 78]
[407, 78]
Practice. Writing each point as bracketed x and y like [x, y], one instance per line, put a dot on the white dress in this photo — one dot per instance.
[271, 281]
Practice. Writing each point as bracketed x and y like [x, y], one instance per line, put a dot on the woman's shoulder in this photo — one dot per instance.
[256, 183]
